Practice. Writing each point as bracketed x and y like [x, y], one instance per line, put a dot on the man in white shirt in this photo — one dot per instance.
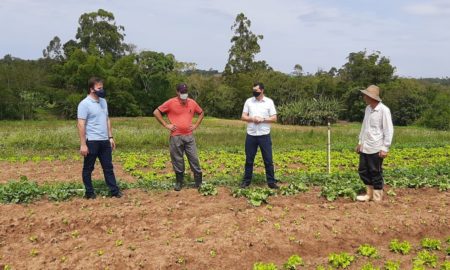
[259, 112]
[375, 139]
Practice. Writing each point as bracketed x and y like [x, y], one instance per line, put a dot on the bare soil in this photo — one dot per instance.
[184, 230]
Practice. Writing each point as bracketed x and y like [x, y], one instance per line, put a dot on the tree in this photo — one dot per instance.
[363, 70]
[98, 31]
[298, 70]
[54, 50]
[244, 48]
[360, 71]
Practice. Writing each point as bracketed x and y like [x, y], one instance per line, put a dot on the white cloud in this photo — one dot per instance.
[429, 8]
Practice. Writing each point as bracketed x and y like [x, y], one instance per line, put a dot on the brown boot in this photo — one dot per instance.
[377, 195]
[368, 196]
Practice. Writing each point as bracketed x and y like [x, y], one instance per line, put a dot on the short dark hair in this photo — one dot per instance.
[92, 82]
[259, 84]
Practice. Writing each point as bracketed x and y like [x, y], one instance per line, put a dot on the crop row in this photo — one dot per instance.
[427, 256]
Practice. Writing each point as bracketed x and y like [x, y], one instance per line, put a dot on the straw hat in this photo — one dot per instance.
[372, 91]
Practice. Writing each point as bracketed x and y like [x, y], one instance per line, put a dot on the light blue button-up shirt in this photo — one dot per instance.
[96, 115]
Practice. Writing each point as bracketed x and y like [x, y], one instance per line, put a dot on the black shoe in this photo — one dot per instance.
[244, 185]
[117, 195]
[273, 186]
[177, 186]
[198, 178]
[179, 181]
[90, 196]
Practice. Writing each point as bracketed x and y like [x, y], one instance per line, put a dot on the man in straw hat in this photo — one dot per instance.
[374, 141]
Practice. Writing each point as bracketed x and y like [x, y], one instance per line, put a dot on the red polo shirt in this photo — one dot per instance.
[180, 114]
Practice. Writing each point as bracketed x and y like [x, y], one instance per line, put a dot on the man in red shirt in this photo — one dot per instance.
[181, 110]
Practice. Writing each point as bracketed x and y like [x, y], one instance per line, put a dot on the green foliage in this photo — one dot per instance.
[208, 189]
[341, 185]
[431, 244]
[244, 48]
[25, 191]
[367, 250]
[310, 112]
[438, 114]
[369, 266]
[293, 262]
[364, 69]
[264, 266]
[341, 260]
[400, 247]
[22, 191]
[445, 265]
[98, 33]
[425, 258]
[62, 191]
[255, 196]
[391, 265]
[293, 188]
[406, 99]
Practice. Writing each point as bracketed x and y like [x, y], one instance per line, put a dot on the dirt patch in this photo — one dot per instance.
[51, 171]
[184, 230]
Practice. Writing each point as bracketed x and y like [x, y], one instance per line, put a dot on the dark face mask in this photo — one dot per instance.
[256, 94]
[100, 93]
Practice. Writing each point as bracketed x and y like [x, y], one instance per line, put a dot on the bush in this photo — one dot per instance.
[310, 112]
[438, 115]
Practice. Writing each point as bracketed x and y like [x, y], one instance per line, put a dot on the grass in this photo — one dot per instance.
[145, 134]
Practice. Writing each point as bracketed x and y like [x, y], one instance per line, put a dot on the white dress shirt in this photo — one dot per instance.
[263, 108]
[377, 130]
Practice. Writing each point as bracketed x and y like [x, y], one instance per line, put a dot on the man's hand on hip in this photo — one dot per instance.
[171, 127]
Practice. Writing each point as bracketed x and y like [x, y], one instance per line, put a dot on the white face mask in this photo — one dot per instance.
[184, 96]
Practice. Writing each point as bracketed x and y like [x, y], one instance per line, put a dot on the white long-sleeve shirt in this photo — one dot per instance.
[377, 130]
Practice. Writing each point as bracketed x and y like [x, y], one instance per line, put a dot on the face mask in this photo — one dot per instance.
[100, 93]
[256, 94]
[184, 96]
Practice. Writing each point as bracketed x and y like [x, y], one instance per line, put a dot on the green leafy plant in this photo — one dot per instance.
[255, 196]
[208, 189]
[445, 265]
[22, 191]
[369, 266]
[425, 258]
[400, 247]
[431, 244]
[264, 266]
[367, 250]
[341, 260]
[293, 188]
[391, 265]
[293, 262]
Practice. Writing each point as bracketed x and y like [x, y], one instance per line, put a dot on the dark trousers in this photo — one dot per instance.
[251, 147]
[370, 170]
[102, 150]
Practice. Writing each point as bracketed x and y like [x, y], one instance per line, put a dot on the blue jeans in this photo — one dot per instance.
[251, 147]
[102, 150]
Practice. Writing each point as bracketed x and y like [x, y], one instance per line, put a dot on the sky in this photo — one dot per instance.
[317, 34]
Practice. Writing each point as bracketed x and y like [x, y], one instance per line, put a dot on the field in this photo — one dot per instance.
[45, 224]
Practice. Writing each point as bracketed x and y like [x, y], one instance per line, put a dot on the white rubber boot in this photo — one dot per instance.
[378, 195]
[368, 196]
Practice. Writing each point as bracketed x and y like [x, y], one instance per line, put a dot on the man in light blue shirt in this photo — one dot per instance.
[96, 140]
